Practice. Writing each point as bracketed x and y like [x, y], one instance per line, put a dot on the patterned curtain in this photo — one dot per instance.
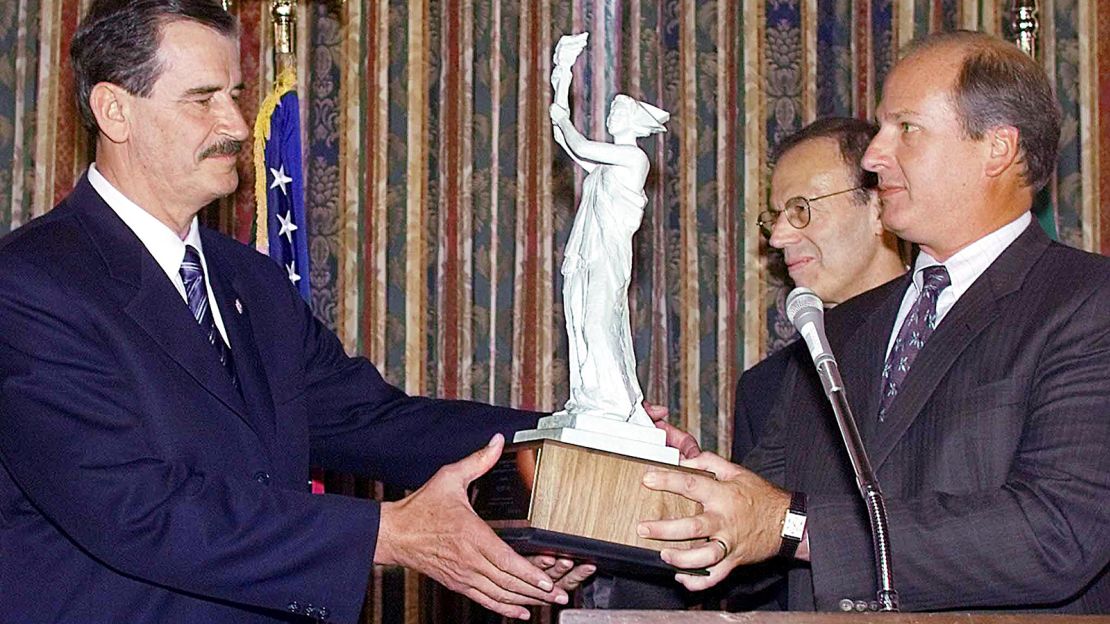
[438, 205]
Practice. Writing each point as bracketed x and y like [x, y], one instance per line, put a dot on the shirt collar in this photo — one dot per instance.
[161, 241]
[972, 261]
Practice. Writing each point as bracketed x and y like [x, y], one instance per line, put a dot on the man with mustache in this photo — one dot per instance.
[163, 388]
[223, 148]
[980, 381]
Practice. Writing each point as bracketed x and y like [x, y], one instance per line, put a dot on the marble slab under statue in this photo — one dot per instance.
[572, 486]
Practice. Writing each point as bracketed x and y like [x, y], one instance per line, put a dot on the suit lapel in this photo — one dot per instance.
[974, 311]
[235, 314]
[857, 333]
[162, 313]
[865, 352]
[150, 299]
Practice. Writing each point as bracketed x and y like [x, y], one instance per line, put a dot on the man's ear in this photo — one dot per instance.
[875, 213]
[1004, 150]
[111, 105]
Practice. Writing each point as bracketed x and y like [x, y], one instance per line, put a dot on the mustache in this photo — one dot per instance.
[223, 148]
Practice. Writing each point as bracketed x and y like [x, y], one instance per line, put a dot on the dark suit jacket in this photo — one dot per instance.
[139, 485]
[756, 392]
[994, 458]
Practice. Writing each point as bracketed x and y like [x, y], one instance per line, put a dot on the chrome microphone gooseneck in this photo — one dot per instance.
[806, 311]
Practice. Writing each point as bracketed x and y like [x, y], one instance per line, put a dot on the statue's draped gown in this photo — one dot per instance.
[597, 267]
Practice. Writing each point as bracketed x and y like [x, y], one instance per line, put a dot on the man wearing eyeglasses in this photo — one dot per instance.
[824, 220]
[980, 382]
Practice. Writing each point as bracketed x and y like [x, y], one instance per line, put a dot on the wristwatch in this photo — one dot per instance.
[793, 526]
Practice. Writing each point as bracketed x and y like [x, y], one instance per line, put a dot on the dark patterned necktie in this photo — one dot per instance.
[192, 274]
[916, 329]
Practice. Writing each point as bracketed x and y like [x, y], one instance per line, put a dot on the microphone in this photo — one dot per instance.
[806, 312]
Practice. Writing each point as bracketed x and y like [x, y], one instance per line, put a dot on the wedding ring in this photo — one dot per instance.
[720, 542]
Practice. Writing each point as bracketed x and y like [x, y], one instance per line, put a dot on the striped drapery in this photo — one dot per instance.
[438, 208]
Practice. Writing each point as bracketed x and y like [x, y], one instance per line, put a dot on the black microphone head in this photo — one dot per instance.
[803, 306]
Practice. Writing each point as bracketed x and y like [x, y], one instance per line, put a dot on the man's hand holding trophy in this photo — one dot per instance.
[572, 487]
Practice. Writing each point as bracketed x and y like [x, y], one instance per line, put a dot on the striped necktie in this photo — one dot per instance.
[196, 293]
[916, 329]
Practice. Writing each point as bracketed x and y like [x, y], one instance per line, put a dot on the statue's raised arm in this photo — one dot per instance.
[628, 120]
[566, 53]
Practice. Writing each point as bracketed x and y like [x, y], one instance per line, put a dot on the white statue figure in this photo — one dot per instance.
[597, 263]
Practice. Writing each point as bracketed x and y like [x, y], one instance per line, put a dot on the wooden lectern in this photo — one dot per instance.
[582, 616]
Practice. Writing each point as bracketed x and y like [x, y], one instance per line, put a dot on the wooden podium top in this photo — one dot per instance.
[597, 616]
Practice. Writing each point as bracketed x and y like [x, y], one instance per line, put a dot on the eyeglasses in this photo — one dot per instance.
[797, 212]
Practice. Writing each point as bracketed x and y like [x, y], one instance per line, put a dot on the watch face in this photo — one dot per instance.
[794, 526]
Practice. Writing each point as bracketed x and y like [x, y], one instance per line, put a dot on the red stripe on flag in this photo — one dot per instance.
[317, 480]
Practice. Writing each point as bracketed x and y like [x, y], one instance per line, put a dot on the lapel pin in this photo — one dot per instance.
[238, 306]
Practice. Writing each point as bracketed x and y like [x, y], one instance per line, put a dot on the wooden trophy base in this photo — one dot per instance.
[550, 497]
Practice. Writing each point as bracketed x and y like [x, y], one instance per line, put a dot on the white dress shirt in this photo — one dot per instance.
[963, 269]
[162, 242]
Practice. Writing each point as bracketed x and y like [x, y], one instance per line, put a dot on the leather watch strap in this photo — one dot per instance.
[793, 525]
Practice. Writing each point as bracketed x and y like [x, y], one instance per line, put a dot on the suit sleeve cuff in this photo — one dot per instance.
[341, 573]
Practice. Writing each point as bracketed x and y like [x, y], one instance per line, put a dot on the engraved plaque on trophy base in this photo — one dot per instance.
[550, 497]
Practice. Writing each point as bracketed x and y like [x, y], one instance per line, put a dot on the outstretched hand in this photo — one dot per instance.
[676, 438]
[741, 519]
[435, 531]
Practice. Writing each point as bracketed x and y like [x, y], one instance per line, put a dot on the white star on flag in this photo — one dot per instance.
[292, 269]
[280, 179]
[287, 226]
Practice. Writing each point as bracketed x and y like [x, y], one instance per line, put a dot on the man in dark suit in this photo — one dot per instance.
[163, 388]
[824, 220]
[980, 382]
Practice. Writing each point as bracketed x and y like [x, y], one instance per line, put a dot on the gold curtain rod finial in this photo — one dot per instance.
[284, 15]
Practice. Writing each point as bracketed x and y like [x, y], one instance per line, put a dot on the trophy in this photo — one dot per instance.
[572, 486]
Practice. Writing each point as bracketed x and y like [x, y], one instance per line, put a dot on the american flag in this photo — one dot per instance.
[279, 188]
[279, 182]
